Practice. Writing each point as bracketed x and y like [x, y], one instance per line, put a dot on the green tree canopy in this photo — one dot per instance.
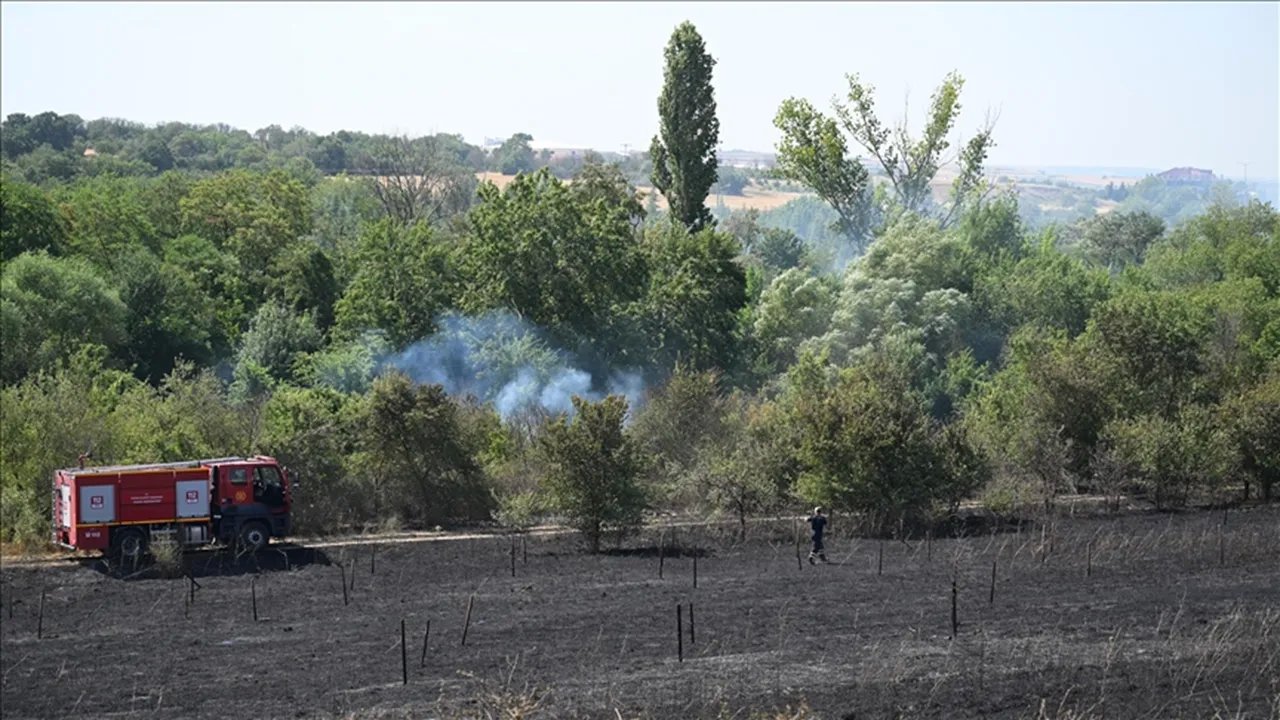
[684, 150]
[593, 465]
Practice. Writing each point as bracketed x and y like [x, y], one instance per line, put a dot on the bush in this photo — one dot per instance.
[593, 469]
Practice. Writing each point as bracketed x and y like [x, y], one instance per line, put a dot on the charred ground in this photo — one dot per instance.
[1147, 615]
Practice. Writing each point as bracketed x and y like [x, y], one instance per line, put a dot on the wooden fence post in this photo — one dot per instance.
[425, 637]
[466, 624]
[404, 655]
[955, 623]
[680, 632]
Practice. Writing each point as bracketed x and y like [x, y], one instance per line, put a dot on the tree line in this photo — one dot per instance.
[192, 292]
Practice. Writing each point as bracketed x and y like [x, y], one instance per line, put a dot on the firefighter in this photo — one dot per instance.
[818, 523]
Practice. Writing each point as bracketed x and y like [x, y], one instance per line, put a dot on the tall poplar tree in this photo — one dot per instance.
[684, 151]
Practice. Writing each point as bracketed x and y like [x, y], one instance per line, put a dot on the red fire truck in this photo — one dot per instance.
[122, 509]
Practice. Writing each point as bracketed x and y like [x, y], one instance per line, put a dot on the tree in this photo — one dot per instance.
[730, 181]
[274, 344]
[1119, 239]
[107, 218]
[514, 156]
[417, 180]
[596, 182]
[251, 216]
[568, 263]
[696, 290]
[49, 307]
[1046, 288]
[1254, 423]
[684, 151]
[912, 165]
[813, 152]
[310, 431]
[28, 220]
[1172, 457]
[743, 470]
[795, 307]
[678, 424]
[867, 444]
[1155, 342]
[593, 465]
[413, 458]
[404, 281]
[168, 316]
[306, 283]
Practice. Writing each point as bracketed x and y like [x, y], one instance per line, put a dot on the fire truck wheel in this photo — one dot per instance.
[129, 543]
[254, 536]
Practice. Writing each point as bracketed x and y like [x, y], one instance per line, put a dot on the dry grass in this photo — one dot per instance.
[167, 554]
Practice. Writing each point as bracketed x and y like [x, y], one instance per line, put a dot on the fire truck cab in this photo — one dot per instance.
[122, 509]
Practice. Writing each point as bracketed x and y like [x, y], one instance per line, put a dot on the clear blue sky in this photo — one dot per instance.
[1149, 85]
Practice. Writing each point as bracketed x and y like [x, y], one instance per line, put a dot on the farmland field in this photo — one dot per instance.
[1147, 615]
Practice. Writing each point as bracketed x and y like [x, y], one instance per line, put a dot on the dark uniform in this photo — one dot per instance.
[818, 522]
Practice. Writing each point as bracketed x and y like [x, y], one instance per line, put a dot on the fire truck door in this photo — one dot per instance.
[235, 485]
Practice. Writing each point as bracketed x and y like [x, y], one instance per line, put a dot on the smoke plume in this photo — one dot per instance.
[499, 358]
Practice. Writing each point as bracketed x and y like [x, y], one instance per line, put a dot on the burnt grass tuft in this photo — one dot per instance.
[1139, 616]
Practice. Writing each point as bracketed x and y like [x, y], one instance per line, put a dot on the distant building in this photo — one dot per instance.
[1187, 176]
[90, 152]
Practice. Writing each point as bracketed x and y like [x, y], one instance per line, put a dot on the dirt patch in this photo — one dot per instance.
[1148, 615]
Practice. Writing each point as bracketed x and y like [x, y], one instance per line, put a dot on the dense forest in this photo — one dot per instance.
[422, 348]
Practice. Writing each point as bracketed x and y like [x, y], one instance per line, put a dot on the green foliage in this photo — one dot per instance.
[795, 307]
[343, 208]
[813, 152]
[274, 344]
[168, 317]
[1046, 288]
[868, 446]
[1252, 418]
[107, 217]
[413, 461]
[730, 181]
[252, 216]
[217, 277]
[812, 221]
[593, 465]
[82, 406]
[29, 221]
[696, 290]
[514, 155]
[23, 134]
[309, 430]
[49, 307]
[403, 282]
[305, 282]
[772, 249]
[561, 259]
[1120, 239]
[1153, 343]
[1174, 457]
[678, 424]
[903, 352]
[684, 151]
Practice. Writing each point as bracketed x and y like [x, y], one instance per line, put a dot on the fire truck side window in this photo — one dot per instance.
[269, 477]
[239, 476]
[267, 486]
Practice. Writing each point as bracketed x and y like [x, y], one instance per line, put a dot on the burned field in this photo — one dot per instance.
[1151, 615]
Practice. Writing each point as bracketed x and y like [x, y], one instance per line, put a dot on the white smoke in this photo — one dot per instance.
[499, 358]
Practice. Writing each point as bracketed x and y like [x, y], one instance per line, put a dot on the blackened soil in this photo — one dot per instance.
[1143, 616]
